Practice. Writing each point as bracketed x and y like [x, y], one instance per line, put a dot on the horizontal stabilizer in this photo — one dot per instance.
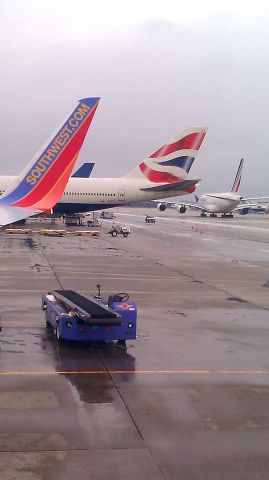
[184, 185]
[10, 214]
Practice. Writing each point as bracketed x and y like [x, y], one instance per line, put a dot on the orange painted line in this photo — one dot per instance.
[7, 323]
[139, 372]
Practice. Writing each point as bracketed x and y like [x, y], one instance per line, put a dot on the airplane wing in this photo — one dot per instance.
[184, 185]
[191, 206]
[250, 205]
[42, 182]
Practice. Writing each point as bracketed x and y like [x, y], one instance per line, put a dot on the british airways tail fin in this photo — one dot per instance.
[238, 177]
[172, 162]
[84, 171]
[42, 182]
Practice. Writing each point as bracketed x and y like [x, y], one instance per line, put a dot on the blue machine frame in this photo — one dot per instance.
[68, 324]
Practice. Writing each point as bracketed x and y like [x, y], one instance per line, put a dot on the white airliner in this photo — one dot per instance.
[42, 182]
[162, 175]
[223, 203]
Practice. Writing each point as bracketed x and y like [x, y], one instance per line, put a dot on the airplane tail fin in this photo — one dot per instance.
[172, 162]
[42, 182]
[238, 177]
[84, 171]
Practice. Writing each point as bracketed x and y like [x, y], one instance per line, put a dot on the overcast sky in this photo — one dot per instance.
[157, 66]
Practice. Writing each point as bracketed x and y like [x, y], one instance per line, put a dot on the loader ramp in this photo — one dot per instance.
[88, 309]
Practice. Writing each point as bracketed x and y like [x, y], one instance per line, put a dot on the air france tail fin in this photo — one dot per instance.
[172, 162]
[238, 177]
[84, 171]
[43, 181]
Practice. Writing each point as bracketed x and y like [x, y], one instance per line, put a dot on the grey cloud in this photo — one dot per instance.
[155, 81]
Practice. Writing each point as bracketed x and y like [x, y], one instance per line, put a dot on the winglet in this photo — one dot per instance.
[43, 181]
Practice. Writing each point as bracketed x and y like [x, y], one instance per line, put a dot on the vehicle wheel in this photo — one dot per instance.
[114, 233]
[57, 333]
[125, 234]
[47, 323]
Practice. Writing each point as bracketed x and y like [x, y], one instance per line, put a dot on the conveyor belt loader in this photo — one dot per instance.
[74, 316]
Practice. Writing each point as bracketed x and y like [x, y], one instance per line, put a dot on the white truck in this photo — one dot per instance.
[82, 219]
[108, 214]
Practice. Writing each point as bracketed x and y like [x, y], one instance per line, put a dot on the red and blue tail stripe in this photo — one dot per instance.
[173, 161]
[190, 142]
[238, 177]
[42, 183]
[183, 162]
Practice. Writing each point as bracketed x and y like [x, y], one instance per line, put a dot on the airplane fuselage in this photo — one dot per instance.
[89, 194]
[219, 202]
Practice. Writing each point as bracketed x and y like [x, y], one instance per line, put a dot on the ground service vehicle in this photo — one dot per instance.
[74, 316]
[80, 219]
[149, 219]
[108, 214]
[119, 230]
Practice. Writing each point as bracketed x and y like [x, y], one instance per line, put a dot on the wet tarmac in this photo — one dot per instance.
[188, 399]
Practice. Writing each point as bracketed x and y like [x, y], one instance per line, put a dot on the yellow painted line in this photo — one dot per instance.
[138, 372]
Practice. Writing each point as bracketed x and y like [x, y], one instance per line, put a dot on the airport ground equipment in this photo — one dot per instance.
[149, 219]
[119, 230]
[82, 219]
[108, 214]
[74, 316]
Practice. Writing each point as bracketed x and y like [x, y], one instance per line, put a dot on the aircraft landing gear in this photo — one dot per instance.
[203, 214]
[213, 215]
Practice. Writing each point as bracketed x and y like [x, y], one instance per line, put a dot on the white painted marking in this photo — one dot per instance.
[214, 223]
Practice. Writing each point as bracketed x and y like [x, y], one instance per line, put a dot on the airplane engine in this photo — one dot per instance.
[181, 209]
[243, 211]
[161, 207]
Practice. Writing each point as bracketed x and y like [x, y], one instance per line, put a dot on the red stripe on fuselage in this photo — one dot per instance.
[66, 157]
[190, 142]
[158, 177]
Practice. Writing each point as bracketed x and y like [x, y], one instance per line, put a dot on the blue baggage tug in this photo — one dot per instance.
[74, 316]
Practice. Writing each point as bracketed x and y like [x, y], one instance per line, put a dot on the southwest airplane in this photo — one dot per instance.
[42, 182]
[161, 175]
[214, 203]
